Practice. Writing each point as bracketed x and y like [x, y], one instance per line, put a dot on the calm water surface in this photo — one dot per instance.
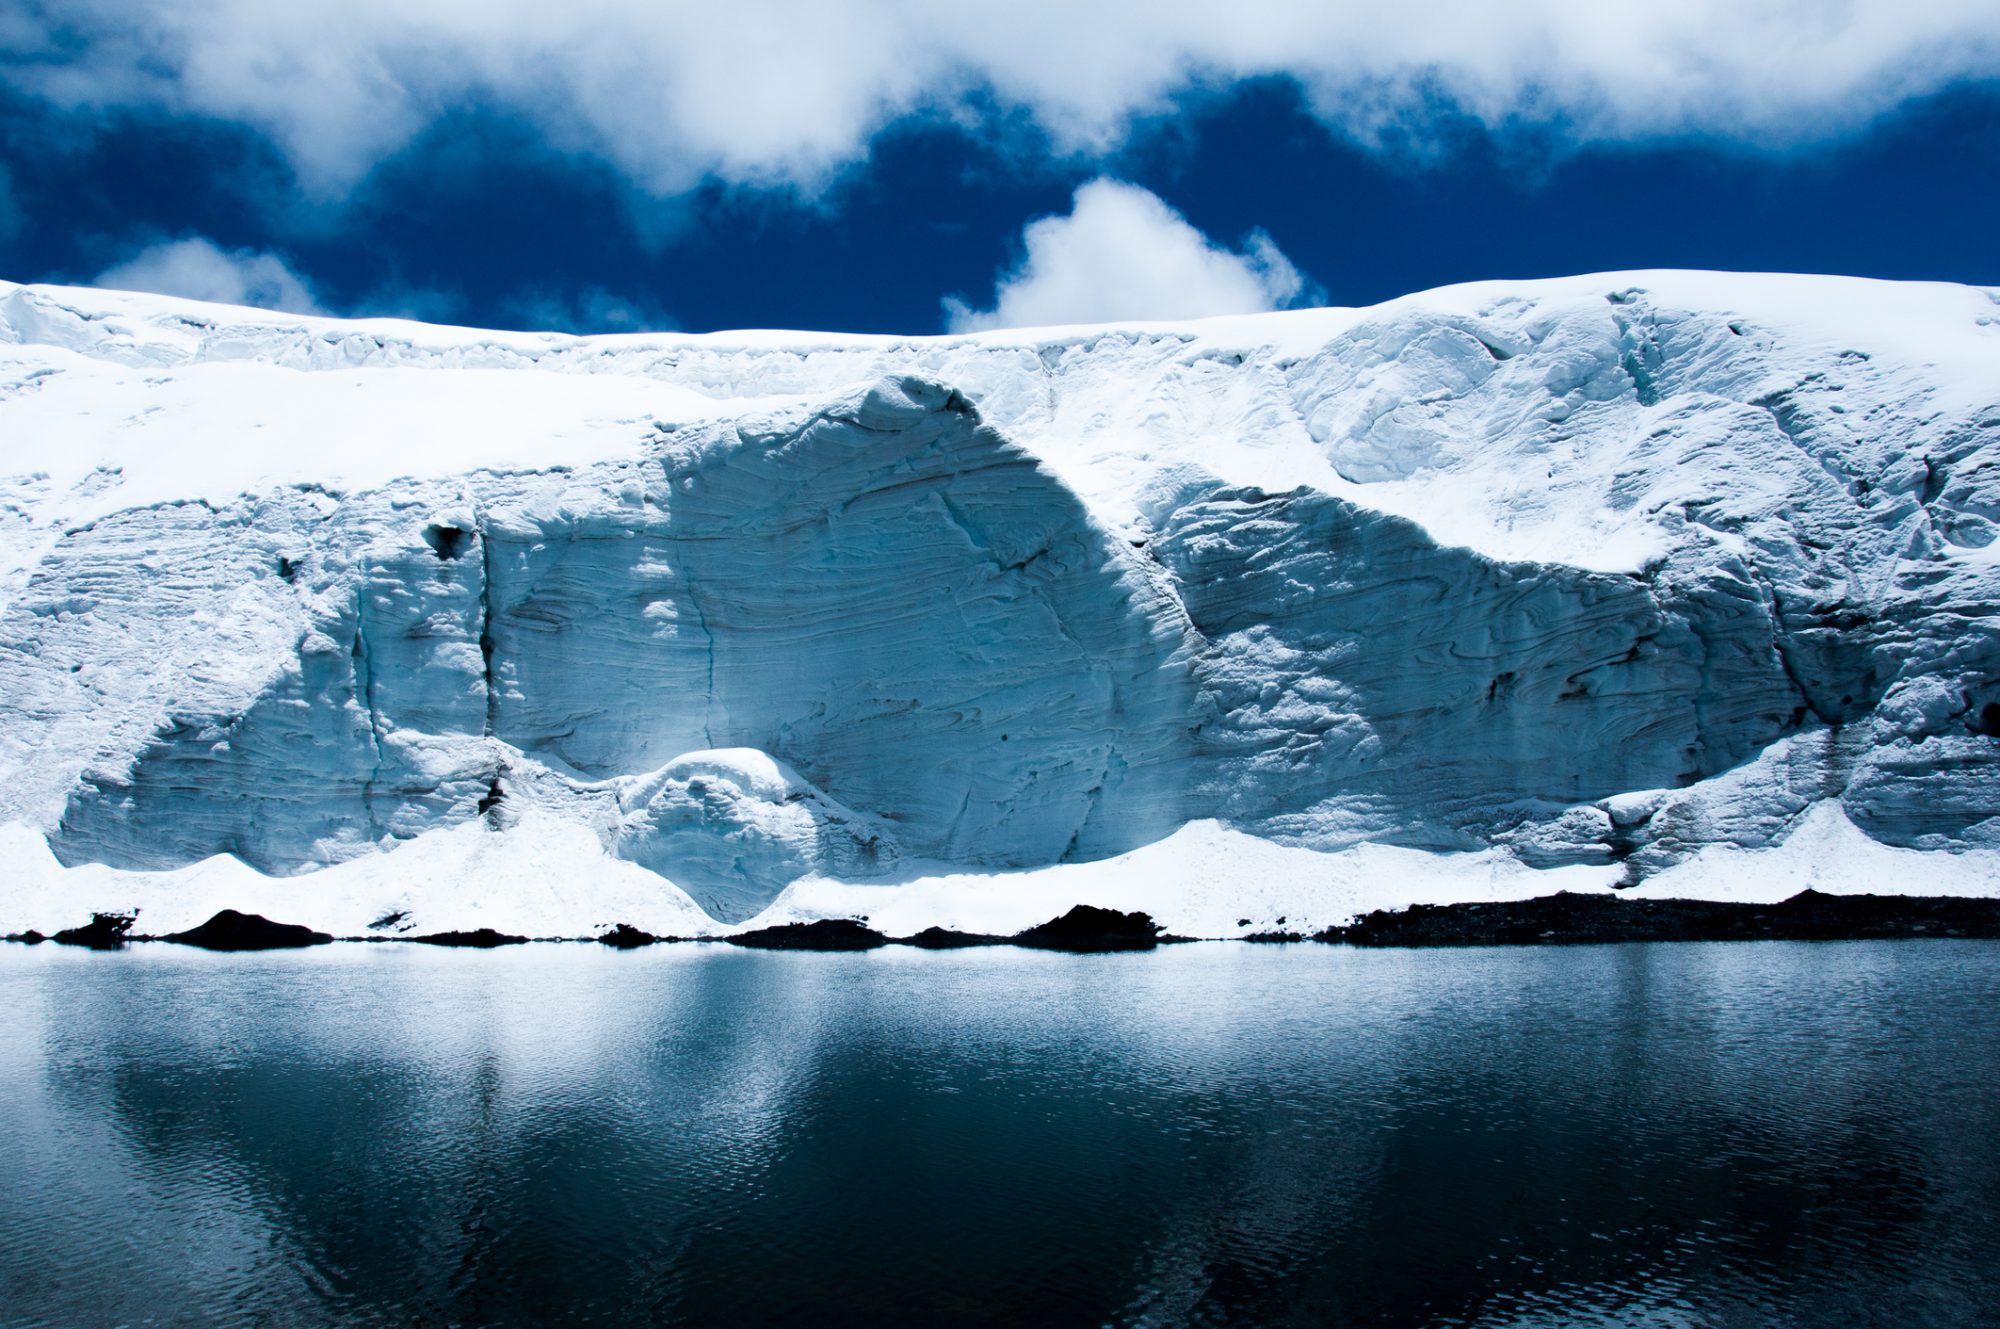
[1686, 1135]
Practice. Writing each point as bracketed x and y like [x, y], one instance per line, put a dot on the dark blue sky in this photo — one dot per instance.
[479, 221]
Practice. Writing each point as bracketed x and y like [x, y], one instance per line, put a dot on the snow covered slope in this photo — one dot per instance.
[1563, 583]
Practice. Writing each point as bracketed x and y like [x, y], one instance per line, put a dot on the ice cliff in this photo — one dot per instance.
[1580, 582]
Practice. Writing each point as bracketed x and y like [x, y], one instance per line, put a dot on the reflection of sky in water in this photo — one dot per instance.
[1208, 1134]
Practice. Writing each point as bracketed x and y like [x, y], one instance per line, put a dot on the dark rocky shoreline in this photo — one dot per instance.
[1563, 919]
[1568, 919]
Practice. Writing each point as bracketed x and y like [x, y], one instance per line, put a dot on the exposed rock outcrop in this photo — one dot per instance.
[483, 939]
[826, 934]
[1571, 919]
[1088, 928]
[229, 930]
[625, 937]
[104, 932]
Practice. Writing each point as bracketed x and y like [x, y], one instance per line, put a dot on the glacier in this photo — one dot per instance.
[1654, 582]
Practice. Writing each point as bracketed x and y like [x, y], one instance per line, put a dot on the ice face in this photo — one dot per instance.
[1602, 572]
[886, 595]
[1361, 679]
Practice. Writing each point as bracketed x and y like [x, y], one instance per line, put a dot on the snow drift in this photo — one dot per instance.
[1548, 585]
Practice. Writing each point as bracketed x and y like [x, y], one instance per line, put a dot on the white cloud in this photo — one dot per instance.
[773, 91]
[1121, 254]
[198, 270]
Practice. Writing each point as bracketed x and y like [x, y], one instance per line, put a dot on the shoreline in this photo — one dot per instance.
[1561, 919]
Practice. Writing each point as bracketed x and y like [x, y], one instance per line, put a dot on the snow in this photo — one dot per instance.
[1826, 853]
[543, 879]
[1676, 578]
[183, 400]
[1206, 880]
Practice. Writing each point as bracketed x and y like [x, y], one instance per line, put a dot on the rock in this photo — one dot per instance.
[480, 938]
[625, 937]
[944, 939]
[233, 931]
[827, 934]
[1088, 928]
[28, 938]
[104, 932]
[1569, 918]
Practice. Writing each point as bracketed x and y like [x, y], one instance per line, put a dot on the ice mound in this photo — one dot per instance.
[734, 827]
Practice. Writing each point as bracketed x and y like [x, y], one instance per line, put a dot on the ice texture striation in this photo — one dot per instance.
[1603, 571]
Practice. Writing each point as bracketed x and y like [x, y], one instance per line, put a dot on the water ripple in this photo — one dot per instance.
[1209, 1135]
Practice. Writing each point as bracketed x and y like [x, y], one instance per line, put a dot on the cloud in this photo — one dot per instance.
[196, 268]
[593, 309]
[1121, 254]
[770, 92]
[199, 270]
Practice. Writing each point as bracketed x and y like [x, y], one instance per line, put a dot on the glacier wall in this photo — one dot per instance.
[1601, 571]
[885, 595]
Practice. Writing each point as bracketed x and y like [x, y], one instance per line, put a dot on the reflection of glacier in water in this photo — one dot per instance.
[1210, 1134]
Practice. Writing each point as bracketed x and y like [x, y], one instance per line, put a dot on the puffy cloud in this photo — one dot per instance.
[197, 269]
[1122, 254]
[771, 91]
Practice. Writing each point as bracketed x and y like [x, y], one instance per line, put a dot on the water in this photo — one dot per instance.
[1683, 1135]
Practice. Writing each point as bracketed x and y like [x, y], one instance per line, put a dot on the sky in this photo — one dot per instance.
[908, 167]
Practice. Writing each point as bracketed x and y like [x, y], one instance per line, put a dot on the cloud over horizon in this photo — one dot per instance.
[592, 310]
[197, 269]
[1121, 254]
[762, 94]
